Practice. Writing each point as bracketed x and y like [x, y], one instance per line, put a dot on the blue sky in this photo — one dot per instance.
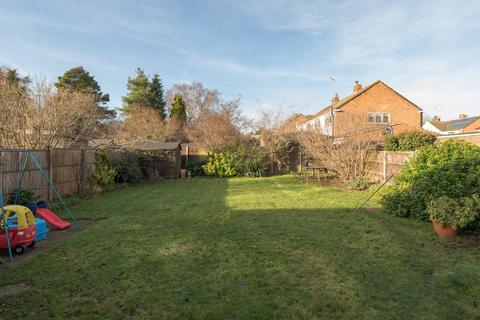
[278, 54]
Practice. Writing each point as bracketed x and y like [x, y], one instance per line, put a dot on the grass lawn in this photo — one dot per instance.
[243, 248]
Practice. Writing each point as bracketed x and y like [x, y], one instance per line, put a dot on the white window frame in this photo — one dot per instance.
[381, 116]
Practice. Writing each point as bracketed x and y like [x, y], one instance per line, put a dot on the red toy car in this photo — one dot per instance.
[23, 233]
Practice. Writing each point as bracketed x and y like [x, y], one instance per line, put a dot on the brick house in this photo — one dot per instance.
[376, 108]
[290, 125]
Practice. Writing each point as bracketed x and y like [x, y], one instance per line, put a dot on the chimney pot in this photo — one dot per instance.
[335, 98]
[462, 116]
[357, 87]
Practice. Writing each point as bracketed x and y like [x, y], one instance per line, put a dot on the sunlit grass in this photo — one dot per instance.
[245, 248]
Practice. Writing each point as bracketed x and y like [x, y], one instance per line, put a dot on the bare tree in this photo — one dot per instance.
[347, 155]
[197, 98]
[146, 124]
[217, 128]
[40, 117]
[275, 138]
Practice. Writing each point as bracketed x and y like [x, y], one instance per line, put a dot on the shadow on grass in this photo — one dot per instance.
[215, 249]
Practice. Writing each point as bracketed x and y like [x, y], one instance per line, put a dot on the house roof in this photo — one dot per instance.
[354, 95]
[154, 145]
[453, 125]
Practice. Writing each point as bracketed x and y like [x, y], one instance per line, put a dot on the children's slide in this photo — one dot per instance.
[52, 219]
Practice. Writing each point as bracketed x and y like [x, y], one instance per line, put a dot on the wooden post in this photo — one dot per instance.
[271, 164]
[301, 168]
[384, 166]
[50, 172]
[2, 176]
[186, 156]
[82, 172]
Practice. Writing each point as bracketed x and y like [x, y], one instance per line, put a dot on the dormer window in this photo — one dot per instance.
[378, 117]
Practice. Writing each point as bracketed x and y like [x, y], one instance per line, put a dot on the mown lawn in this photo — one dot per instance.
[242, 248]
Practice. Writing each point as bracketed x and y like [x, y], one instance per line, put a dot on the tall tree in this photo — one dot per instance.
[79, 79]
[198, 99]
[10, 76]
[144, 93]
[179, 109]
[158, 101]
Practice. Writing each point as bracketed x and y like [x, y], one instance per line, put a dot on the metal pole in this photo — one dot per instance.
[371, 196]
[20, 180]
[52, 187]
[7, 236]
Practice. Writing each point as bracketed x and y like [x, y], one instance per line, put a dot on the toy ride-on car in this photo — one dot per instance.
[21, 228]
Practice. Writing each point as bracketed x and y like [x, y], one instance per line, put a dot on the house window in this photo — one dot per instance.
[371, 117]
[328, 121]
[378, 117]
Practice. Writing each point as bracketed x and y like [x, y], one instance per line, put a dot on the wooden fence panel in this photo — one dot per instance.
[387, 163]
[68, 169]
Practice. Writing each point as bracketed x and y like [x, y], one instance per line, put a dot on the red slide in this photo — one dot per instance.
[52, 219]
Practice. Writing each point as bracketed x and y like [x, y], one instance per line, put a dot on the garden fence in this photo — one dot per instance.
[68, 169]
[388, 163]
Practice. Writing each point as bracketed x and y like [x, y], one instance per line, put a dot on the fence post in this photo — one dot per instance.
[384, 166]
[3, 185]
[301, 159]
[82, 172]
[50, 171]
[187, 154]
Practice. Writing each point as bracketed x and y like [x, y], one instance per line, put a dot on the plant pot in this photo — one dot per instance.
[183, 173]
[446, 231]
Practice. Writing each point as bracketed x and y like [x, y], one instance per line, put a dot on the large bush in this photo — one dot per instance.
[115, 166]
[409, 141]
[105, 171]
[450, 169]
[195, 167]
[221, 164]
[246, 158]
[127, 166]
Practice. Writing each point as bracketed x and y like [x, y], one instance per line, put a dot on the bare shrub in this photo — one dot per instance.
[347, 155]
[217, 128]
[145, 123]
[41, 117]
[276, 138]
[197, 98]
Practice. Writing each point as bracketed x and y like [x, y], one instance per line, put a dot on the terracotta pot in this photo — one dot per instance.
[446, 231]
[183, 173]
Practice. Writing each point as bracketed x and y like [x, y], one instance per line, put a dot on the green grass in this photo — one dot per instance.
[241, 248]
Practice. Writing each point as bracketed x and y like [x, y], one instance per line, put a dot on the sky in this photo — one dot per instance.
[273, 54]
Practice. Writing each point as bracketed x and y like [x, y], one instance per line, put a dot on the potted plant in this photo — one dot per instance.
[449, 215]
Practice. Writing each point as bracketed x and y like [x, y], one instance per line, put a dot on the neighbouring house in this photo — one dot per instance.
[464, 128]
[472, 137]
[463, 124]
[376, 106]
[290, 125]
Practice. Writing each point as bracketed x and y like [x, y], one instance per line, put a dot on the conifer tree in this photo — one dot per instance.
[144, 93]
[179, 109]
[79, 79]
[158, 101]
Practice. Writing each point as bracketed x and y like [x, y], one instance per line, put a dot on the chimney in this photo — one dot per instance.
[436, 118]
[357, 87]
[335, 98]
[462, 116]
